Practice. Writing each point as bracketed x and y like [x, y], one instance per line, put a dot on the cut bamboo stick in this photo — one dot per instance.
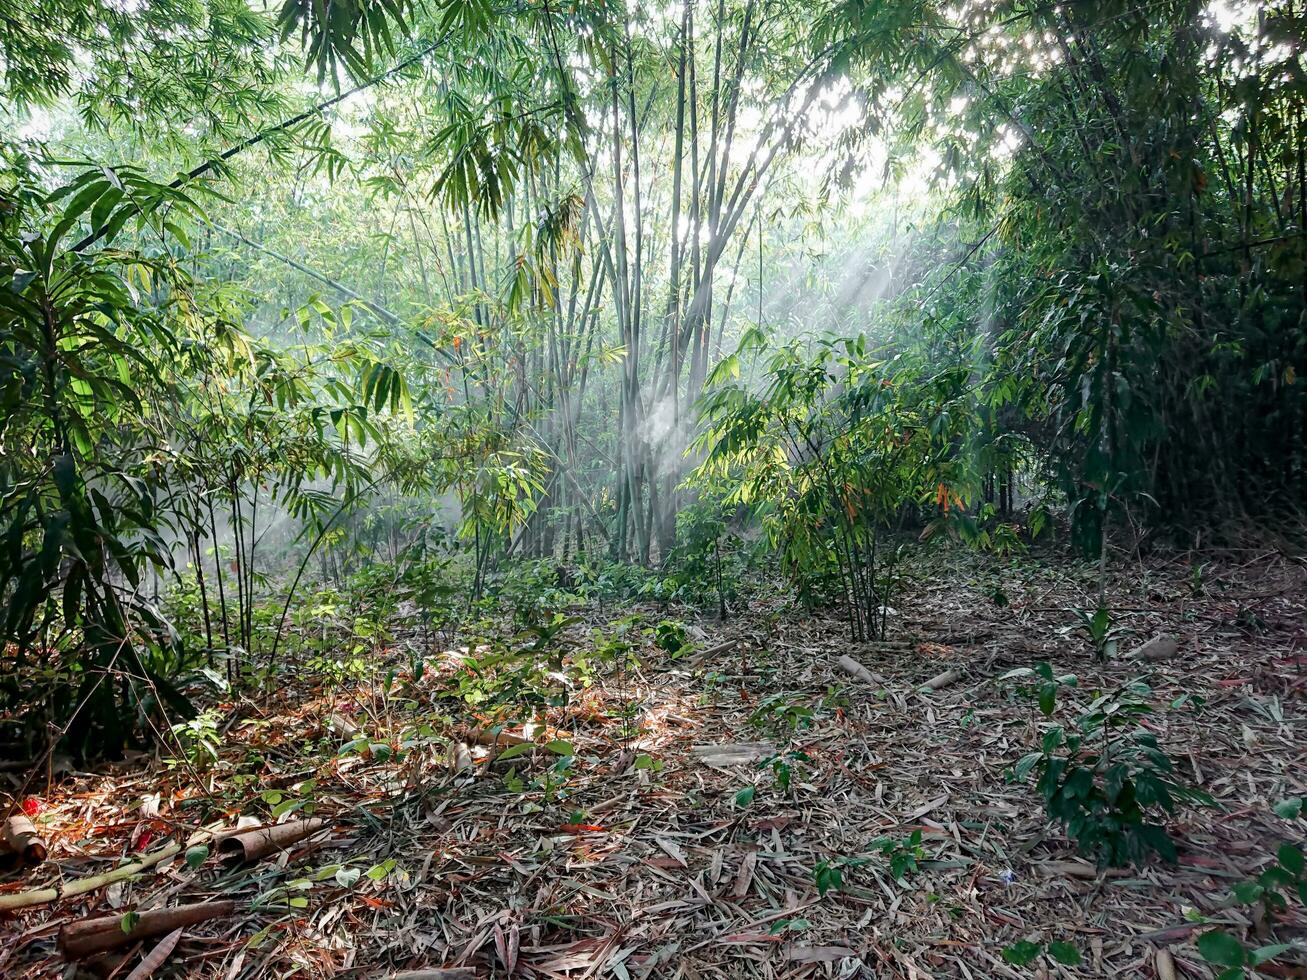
[342, 726]
[39, 896]
[851, 666]
[460, 757]
[89, 937]
[18, 837]
[253, 845]
[942, 680]
[503, 739]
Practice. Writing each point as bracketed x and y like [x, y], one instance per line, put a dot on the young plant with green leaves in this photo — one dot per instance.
[1104, 777]
[93, 350]
[1100, 629]
[1268, 897]
[903, 854]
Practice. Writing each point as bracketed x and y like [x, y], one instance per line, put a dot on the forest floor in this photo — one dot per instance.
[643, 859]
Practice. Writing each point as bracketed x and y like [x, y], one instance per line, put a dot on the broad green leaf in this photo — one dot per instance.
[379, 871]
[513, 751]
[1290, 808]
[1022, 953]
[1064, 953]
[82, 200]
[1264, 954]
[1221, 948]
[1291, 858]
[197, 855]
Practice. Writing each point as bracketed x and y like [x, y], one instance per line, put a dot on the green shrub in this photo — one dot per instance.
[1105, 778]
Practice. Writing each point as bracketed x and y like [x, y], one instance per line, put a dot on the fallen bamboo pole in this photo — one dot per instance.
[941, 680]
[496, 740]
[699, 656]
[39, 896]
[251, 845]
[851, 666]
[18, 837]
[89, 937]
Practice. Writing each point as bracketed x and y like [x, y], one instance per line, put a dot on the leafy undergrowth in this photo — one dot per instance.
[741, 807]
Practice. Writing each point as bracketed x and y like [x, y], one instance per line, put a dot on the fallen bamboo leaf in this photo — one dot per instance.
[820, 954]
[926, 808]
[514, 751]
[733, 753]
[443, 973]
[672, 849]
[252, 845]
[745, 876]
[89, 937]
[157, 956]
[18, 837]
[1165, 965]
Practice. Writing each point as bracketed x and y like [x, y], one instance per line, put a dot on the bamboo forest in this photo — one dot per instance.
[640, 489]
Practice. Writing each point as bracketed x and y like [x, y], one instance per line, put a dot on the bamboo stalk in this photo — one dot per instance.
[40, 896]
[251, 845]
[484, 736]
[851, 666]
[942, 680]
[78, 940]
[19, 838]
